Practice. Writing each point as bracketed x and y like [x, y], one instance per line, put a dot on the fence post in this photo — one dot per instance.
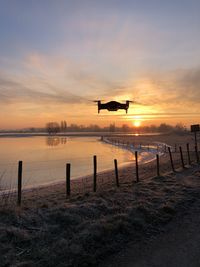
[68, 187]
[19, 191]
[136, 166]
[188, 154]
[195, 139]
[95, 173]
[197, 155]
[182, 160]
[158, 165]
[171, 160]
[116, 173]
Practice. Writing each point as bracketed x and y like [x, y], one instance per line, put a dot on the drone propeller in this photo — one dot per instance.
[130, 101]
[134, 101]
[96, 101]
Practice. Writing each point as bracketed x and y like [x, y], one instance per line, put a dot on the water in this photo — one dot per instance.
[44, 158]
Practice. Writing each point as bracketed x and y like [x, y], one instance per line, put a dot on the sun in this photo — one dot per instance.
[137, 123]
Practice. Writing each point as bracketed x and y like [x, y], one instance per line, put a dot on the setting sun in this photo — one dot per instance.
[137, 123]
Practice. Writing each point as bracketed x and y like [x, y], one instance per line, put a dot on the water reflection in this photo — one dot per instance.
[55, 140]
[44, 159]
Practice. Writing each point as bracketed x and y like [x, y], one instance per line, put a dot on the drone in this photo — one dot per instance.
[113, 105]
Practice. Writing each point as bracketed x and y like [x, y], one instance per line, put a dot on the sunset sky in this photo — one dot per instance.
[58, 56]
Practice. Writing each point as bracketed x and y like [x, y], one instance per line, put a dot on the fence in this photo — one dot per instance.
[157, 146]
[116, 170]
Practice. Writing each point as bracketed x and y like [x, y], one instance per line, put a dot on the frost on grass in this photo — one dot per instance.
[83, 231]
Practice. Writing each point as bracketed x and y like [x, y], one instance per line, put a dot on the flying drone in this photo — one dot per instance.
[112, 105]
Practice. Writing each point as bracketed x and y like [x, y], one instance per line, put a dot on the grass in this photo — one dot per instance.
[84, 230]
[6, 196]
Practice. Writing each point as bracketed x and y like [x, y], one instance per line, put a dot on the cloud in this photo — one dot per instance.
[176, 91]
[179, 87]
[80, 77]
[13, 91]
[47, 84]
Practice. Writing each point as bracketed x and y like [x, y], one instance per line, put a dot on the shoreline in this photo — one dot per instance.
[121, 166]
[144, 168]
[31, 188]
[77, 134]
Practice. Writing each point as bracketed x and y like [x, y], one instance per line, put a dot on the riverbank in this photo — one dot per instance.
[106, 179]
[50, 230]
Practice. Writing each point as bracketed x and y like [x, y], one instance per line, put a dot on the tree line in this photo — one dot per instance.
[55, 127]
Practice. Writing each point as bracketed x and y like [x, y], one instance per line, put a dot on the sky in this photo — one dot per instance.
[58, 56]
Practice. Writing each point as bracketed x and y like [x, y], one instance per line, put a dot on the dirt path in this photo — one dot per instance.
[177, 246]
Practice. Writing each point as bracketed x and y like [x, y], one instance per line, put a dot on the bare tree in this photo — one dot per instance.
[65, 126]
[52, 127]
[112, 127]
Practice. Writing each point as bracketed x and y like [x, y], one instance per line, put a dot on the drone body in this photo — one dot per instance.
[113, 105]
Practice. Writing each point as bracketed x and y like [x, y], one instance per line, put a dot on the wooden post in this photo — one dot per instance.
[182, 160]
[171, 160]
[19, 192]
[195, 138]
[158, 165]
[116, 173]
[197, 154]
[95, 173]
[136, 166]
[68, 188]
[188, 154]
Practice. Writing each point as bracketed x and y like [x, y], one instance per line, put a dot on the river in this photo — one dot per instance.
[44, 158]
